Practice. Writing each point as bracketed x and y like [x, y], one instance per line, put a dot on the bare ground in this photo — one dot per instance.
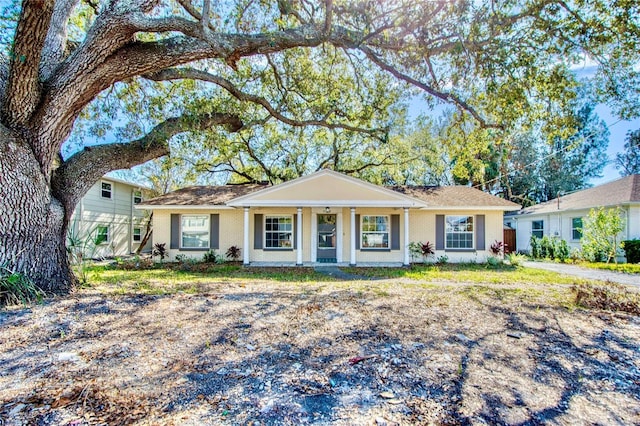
[377, 353]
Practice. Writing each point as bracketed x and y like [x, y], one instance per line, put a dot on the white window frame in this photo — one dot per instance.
[574, 229]
[139, 235]
[205, 230]
[271, 231]
[107, 234]
[137, 195]
[103, 190]
[535, 230]
[376, 231]
[448, 231]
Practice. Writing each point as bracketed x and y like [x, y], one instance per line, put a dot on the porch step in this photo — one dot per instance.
[328, 260]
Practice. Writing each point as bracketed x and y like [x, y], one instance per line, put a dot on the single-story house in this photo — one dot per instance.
[328, 217]
[562, 217]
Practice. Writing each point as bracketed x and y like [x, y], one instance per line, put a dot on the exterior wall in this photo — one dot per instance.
[422, 227]
[117, 213]
[560, 225]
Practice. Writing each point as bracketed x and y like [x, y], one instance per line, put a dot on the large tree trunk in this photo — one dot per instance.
[33, 223]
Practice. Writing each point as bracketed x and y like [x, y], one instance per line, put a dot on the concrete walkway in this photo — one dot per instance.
[334, 271]
[587, 273]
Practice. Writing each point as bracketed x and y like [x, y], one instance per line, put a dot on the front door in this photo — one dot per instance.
[327, 238]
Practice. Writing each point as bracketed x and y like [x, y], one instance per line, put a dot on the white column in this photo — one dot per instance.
[339, 237]
[245, 249]
[352, 258]
[314, 237]
[299, 237]
[406, 237]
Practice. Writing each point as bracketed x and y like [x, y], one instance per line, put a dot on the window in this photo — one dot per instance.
[278, 232]
[375, 232]
[459, 232]
[137, 197]
[195, 231]
[576, 228]
[137, 235]
[106, 190]
[102, 234]
[537, 228]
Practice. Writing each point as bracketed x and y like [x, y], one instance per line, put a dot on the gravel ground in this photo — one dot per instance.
[376, 353]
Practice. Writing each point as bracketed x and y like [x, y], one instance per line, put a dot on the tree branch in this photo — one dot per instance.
[447, 97]
[77, 174]
[23, 88]
[191, 73]
[55, 45]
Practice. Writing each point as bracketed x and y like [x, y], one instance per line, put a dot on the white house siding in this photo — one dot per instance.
[116, 213]
[560, 225]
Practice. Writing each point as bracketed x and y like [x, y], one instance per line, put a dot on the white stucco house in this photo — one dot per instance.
[105, 222]
[562, 217]
[328, 217]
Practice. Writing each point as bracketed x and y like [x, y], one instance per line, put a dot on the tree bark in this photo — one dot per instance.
[32, 222]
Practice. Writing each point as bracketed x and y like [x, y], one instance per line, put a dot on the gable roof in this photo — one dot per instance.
[329, 188]
[323, 188]
[619, 192]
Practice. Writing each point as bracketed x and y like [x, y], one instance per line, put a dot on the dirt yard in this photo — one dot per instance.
[343, 353]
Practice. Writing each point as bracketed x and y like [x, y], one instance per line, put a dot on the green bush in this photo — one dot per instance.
[212, 257]
[17, 288]
[562, 251]
[516, 259]
[535, 247]
[632, 250]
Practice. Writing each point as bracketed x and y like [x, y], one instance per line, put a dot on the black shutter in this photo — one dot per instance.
[480, 232]
[395, 232]
[295, 231]
[439, 232]
[175, 231]
[214, 235]
[257, 231]
[358, 231]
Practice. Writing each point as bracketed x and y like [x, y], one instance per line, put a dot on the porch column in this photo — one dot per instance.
[299, 238]
[352, 258]
[406, 236]
[245, 250]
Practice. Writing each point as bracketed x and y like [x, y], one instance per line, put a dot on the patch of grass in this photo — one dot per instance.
[17, 288]
[627, 268]
[468, 273]
[170, 279]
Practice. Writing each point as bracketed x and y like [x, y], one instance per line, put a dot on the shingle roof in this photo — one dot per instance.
[622, 191]
[454, 196]
[434, 196]
[203, 195]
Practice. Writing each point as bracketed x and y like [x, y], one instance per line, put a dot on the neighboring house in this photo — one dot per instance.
[563, 216]
[105, 222]
[328, 217]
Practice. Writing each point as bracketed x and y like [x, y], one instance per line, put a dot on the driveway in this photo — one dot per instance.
[587, 273]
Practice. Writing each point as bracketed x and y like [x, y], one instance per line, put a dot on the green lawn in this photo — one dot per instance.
[628, 268]
[468, 273]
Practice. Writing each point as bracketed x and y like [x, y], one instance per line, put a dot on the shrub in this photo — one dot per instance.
[534, 242]
[442, 260]
[613, 297]
[497, 248]
[419, 249]
[632, 250]
[600, 231]
[17, 288]
[494, 261]
[562, 250]
[547, 248]
[233, 253]
[516, 259]
[160, 250]
[212, 257]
